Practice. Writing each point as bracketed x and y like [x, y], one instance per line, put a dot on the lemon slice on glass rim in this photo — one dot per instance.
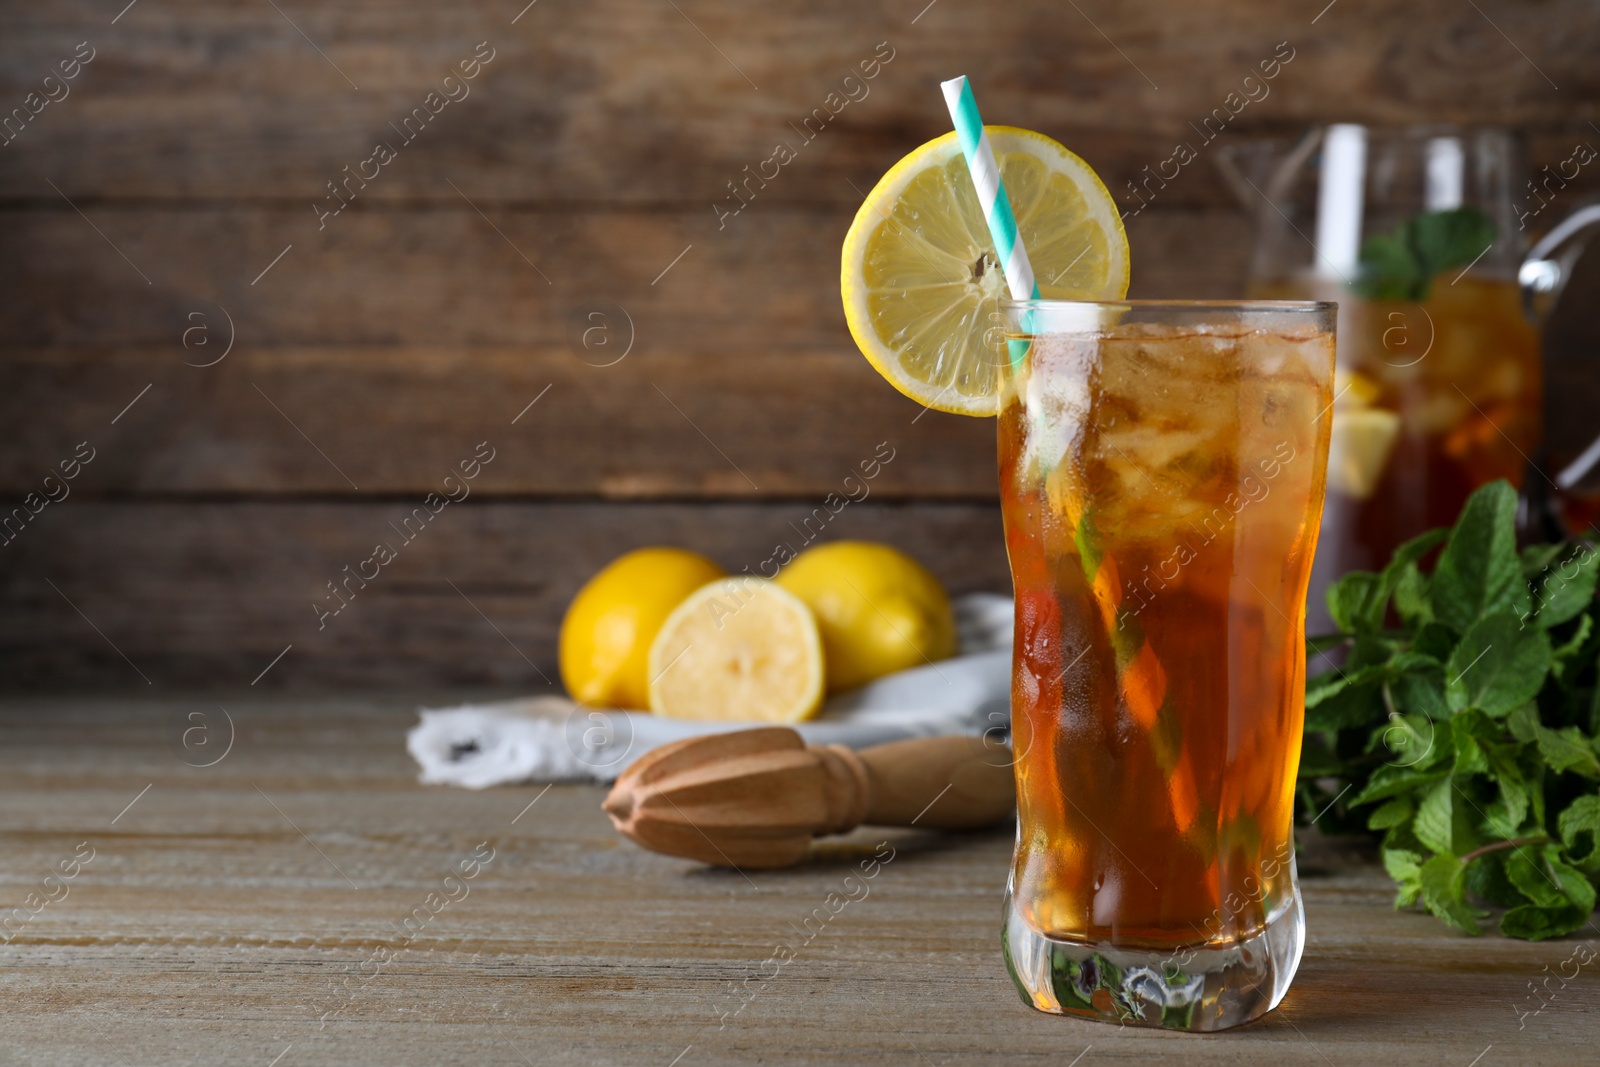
[920, 279]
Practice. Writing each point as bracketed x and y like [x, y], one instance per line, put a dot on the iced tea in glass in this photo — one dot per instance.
[1162, 469]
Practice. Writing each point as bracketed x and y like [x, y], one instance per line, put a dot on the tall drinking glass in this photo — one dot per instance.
[1162, 470]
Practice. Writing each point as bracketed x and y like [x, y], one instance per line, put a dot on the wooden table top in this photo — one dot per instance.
[304, 901]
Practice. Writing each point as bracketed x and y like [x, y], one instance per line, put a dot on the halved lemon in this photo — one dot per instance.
[920, 279]
[739, 649]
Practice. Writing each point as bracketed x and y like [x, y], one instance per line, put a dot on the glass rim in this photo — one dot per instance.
[1196, 305]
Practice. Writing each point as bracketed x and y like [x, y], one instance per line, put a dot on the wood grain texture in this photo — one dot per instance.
[445, 276]
[190, 593]
[635, 101]
[337, 421]
[256, 908]
[582, 174]
[415, 335]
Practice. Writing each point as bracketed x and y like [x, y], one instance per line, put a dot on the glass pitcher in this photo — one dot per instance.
[1422, 235]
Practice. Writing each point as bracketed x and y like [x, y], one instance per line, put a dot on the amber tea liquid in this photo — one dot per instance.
[1162, 475]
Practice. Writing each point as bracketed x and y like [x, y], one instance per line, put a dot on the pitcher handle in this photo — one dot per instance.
[1544, 272]
[1547, 267]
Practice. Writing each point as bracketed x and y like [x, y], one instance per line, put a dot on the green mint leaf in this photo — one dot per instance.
[1479, 570]
[1580, 831]
[1486, 876]
[1401, 265]
[1441, 240]
[1435, 821]
[1526, 868]
[1393, 812]
[1509, 809]
[1354, 604]
[1420, 694]
[1330, 684]
[1358, 600]
[1353, 699]
[1411, 597]
[1567, 587]
[1523, 722]
[1391, 780]
[1536, 559]
[1545, 879]
[1324, 642]
[1572, 645]
[1435, 640]
[1317, 761]
[1530, 922]
[1388, 270]
[1418, 743]
[1568, 749]
[1405, 867]
[1368, 650]
[1574, 882]
[1470, 757]
[1499, 664]
[1409, 553]
[1444, 892]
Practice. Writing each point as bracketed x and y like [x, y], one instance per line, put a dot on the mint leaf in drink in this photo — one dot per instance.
[1498, 666]
[1388, 269]
[1479, 569]
[1444, 240]
[1467, 736]
[1403, 264]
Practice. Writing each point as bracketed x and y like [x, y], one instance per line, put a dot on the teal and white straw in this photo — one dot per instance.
[991, 190]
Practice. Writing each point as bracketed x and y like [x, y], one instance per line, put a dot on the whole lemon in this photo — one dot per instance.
[611, 623]
[879, 610]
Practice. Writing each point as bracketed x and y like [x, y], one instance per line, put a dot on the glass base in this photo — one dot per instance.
[1200, 988]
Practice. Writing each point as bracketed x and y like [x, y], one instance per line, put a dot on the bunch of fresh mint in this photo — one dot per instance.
[1468, 734]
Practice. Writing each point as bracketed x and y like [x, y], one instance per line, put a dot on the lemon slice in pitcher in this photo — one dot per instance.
[920, 279]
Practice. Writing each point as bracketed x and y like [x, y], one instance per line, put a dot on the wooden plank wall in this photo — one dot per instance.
[266, 385]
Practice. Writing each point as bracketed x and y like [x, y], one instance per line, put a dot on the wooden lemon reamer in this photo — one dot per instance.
[756, 798]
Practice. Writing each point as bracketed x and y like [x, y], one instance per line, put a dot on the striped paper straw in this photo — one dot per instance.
[991, 190]
[1140, 676]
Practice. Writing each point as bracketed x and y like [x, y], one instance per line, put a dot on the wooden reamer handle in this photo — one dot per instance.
[755, 798]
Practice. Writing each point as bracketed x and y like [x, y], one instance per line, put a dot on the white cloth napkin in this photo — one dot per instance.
[548, 739]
